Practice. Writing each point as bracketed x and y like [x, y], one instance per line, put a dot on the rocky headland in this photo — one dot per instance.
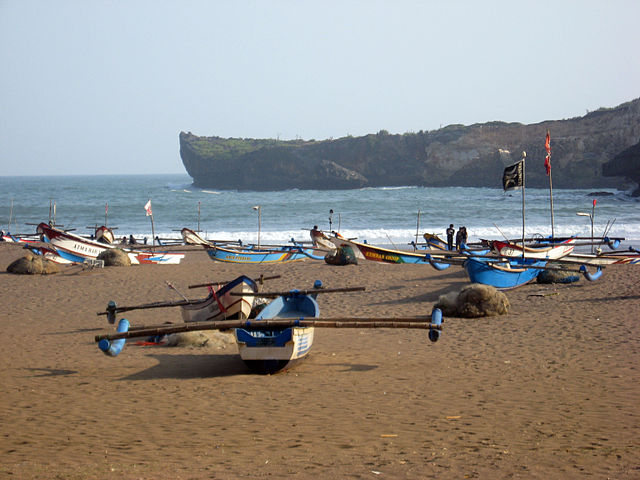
[592, 151]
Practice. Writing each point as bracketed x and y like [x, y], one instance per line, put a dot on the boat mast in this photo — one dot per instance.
[415, 246]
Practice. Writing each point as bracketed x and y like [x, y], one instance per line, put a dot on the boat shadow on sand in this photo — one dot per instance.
[214, 365]
[189, 366]
[427, 296]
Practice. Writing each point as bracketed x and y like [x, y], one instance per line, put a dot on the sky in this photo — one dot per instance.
[105, 87]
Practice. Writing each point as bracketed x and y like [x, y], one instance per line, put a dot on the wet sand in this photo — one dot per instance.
[550, 390]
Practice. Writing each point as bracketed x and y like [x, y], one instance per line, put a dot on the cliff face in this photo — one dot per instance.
[625, 164]
[455, 155]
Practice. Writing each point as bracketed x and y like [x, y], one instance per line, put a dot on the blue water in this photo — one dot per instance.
[378, 215]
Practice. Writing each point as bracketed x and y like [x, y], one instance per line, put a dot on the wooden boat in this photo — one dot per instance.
[321, 240]
[104, 235]
[435, 242]
[546, 250]
[252, 254]
[365, 251]
[192, 238]
[280, 336]
[503, 274]
[267, 351]
[224, 302]
[77, 249]
[630, 256]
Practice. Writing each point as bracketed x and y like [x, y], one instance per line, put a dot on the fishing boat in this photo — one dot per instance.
[253, 254]
[226, 301]
[192, 238]
[386, 255]
[546, 250]
[503, 274]
[321, 240]
[435, 242]
[282, 333]
[267, 351]
[631, 257]
[104, 234]
[77, 249]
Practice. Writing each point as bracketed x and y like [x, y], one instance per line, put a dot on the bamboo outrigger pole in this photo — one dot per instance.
[402, 322]
[312, 291]
[260, 279]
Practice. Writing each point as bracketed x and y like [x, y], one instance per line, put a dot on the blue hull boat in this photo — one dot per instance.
[260, 255]
[269, 351]
[503, 275]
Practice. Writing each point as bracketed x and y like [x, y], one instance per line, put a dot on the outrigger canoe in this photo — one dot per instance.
[545, 250]
[77, 249]
[260, 255]
[226, 301]
[281, 334]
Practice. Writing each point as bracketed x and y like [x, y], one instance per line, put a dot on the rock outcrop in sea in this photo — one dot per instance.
[455, 155]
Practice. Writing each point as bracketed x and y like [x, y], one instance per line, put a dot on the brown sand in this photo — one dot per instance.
[549, 391]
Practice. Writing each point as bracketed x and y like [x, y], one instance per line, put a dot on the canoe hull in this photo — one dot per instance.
[248, 255]
[364, 251]
[503, 276]
[76, 249]
[221, 304]
[267, 351]
[544, 252]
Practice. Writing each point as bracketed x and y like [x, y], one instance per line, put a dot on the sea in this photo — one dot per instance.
[389, 216]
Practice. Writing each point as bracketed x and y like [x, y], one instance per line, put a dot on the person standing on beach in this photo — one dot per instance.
[450, 232]
[463, 236]
[458, 238]
[315, 233]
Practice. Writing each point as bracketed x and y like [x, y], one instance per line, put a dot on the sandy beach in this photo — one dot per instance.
[550, 390]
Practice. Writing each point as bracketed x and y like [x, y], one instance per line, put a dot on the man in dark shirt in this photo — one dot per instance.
[450, 232]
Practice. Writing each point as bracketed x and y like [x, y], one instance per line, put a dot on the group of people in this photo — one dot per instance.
[460, 236]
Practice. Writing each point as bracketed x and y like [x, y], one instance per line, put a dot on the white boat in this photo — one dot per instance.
[224, 302]
[77, 249]
[542, 250]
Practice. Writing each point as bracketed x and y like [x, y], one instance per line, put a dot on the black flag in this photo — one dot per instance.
[512, 176]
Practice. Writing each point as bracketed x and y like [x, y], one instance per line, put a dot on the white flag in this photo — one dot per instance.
[147, 207]
[256, 207]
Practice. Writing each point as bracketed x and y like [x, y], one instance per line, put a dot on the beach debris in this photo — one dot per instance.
[33, 265]
[557, 276]
[341, 256]
[115, 257]
[215, 339]
[475, 300]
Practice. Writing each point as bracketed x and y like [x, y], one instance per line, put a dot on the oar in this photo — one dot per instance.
[253, 324]
[288, 293]
[261, 279]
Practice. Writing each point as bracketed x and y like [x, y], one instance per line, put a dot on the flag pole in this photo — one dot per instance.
[553, 236]
[147, 207]
[547, 164]
[524, 156]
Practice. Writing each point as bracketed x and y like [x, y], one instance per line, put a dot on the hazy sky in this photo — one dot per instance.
[105, 87]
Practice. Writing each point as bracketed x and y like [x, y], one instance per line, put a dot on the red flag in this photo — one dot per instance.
[594, 202]
[106, 207]
[547, 160]
[147, 207]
